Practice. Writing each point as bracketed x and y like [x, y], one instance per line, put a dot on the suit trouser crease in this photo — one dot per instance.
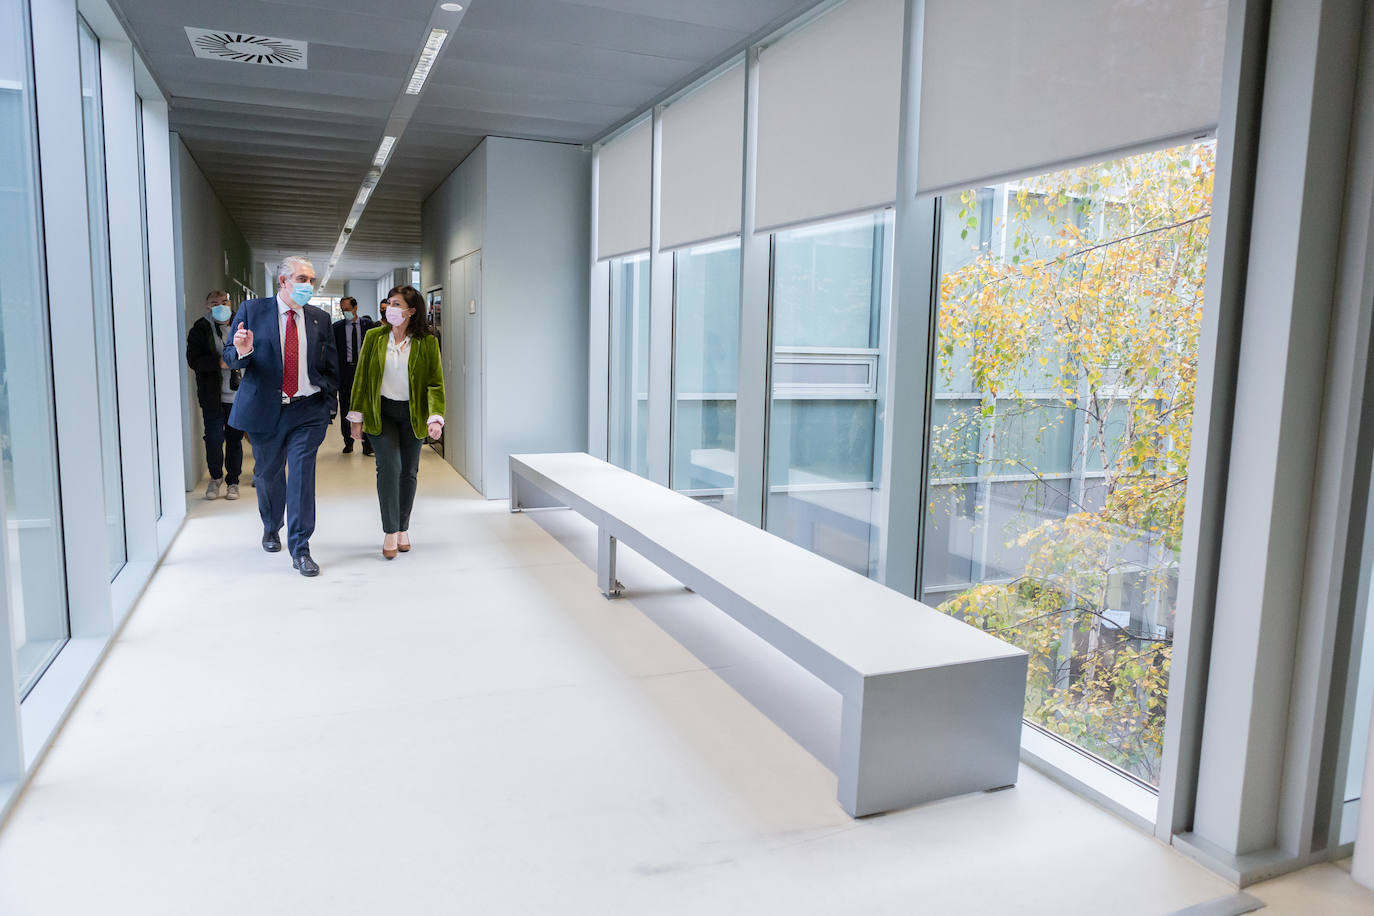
[284, 461]
[223, 444]
[398, 465]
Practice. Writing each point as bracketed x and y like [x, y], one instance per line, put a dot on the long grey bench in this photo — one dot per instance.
[931, 706]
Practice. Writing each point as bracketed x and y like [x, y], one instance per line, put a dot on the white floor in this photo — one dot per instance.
[473, 729]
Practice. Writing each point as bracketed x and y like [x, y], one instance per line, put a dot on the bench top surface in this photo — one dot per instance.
[865, 625]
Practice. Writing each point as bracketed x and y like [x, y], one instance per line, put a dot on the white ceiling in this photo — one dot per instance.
[286, 149]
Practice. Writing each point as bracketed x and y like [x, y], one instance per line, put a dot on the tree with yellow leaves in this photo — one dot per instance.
[1078, 315]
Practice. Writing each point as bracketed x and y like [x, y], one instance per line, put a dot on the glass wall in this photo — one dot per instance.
[92, 118]
[706, 285]
[830, 292]
[148, 309]
[28, 446]
[629, 409]
[1070, 306]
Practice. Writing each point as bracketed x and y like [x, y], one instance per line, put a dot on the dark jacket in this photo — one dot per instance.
[257, 407]
[341, 343]
[203, 356]
[424, 373]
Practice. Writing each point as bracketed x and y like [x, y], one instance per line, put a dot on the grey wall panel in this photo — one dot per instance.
[213, 255]
[536, 300]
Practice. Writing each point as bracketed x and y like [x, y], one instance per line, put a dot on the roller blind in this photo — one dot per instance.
[624, 185]
[1019, 87]
[702, 163]
[829, 97]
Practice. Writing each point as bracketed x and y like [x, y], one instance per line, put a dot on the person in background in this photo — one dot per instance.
[398, 398]
[348, 342]
[216, 386]
[285, 347]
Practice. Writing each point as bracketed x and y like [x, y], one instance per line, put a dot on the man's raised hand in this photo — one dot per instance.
[243, 340]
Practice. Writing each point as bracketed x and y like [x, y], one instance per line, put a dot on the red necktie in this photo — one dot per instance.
[290, 373]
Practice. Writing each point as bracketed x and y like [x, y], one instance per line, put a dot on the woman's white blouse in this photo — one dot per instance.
[396, 374]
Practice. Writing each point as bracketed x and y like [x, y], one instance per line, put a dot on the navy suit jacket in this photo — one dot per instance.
[257, 406]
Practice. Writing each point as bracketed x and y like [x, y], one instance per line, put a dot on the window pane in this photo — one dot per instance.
[823, 293]
[148, 309]
[1068, 321]
[629, 407]
[705, 368]
[830, 292]
[94, 129]
[28, 445]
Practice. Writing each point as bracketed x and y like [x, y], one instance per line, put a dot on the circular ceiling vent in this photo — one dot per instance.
[247, 49]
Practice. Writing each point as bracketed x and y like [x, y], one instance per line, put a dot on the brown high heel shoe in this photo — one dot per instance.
[388, 552]
[403, 548]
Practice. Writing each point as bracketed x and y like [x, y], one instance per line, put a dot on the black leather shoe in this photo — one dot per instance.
[367, 450]
[307, 566]
[271, 542]
[348, 449]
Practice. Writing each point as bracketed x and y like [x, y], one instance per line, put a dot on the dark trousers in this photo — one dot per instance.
[398, 464]
[285, 470]
[223, 444]
[346, 373]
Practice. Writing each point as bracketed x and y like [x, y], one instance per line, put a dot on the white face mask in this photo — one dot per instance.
[395, 315]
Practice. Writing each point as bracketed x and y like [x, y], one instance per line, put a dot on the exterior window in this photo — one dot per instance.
[35, 575]
[629, 407]
[831, 286]
[92, 119]
[1069, 312]
[705, 372]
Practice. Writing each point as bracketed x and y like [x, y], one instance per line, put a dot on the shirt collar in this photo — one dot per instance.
[284, 304]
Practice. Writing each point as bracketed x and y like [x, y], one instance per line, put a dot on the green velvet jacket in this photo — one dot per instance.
[426, 376]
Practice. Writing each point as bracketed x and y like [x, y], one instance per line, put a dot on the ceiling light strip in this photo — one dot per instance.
[384, 152]
[429, 54]
[426, 63]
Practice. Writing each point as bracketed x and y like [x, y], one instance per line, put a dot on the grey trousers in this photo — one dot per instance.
[398, 465]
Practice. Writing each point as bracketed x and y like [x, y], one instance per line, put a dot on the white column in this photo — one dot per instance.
[168, 345]
[62, 160]
[660, 329]
[755, 345]
[901, 508]
[1252, 780]
[132, 354]
[598, 339]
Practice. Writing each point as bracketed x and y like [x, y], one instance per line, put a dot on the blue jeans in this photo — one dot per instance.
[223, 445]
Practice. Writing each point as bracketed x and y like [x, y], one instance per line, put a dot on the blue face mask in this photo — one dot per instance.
[302, 292]
[220, 313]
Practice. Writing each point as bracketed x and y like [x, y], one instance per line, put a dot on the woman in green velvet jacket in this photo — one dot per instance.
[398, 398]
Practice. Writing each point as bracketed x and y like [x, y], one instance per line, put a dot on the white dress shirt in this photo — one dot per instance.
[289, 307]
[351, 348]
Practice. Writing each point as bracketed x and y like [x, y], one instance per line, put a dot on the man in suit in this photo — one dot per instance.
[285, 349]
[216, 386]
[348, 343]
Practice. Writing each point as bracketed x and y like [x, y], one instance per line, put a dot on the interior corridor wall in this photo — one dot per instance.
[526, 206]
[211, 254]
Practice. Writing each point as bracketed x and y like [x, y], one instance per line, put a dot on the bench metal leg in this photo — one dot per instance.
[605, 565]
[514, 493]
[917, 736]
